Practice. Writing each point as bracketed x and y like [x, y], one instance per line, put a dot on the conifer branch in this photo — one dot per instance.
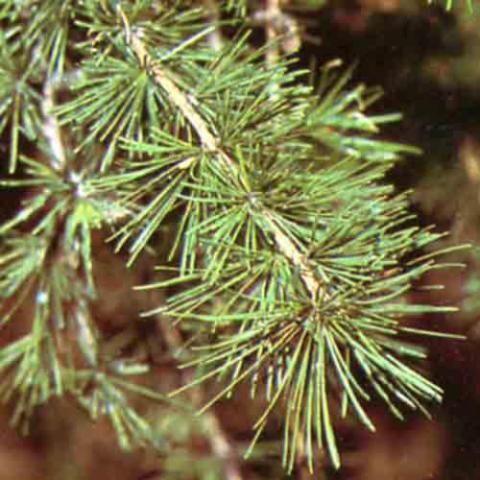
[291, 247]
[285, 246]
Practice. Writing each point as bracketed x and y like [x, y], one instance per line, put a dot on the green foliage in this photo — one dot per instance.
[451, 4]
[19, 101]
[290, 261]
[54, 266]
[48, 32]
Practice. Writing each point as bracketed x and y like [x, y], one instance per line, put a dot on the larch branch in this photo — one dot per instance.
[209, 142]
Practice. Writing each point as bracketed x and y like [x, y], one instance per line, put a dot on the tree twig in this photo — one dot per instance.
[51, 127]
[215, 36]
[272, 11]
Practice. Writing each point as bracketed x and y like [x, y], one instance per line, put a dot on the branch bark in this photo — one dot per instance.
[215, 37]
[51, 127]
[272, 11]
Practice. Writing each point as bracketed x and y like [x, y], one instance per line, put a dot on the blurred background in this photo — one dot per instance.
[427, 61]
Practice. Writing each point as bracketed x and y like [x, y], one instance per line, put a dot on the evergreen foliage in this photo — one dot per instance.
[290, 258]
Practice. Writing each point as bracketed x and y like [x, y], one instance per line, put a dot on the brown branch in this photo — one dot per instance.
[282, 30]
[297, 258]
[215, 37]
[272, 11]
